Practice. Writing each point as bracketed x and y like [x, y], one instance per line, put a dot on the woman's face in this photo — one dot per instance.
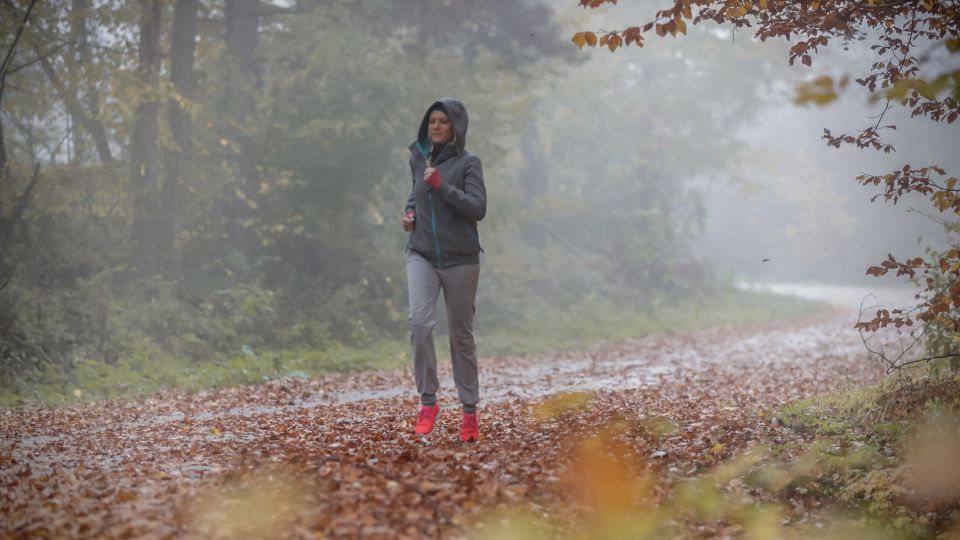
[441, 130]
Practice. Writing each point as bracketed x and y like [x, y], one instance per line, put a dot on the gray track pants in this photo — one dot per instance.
[459, 284]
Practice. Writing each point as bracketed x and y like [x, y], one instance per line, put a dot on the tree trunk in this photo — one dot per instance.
[143, 179]
[78, 44]
[534, 182]
[242, 21]
[177, 157]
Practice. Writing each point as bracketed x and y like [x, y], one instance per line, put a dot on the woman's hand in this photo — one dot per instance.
[432, 178]
[408, 221]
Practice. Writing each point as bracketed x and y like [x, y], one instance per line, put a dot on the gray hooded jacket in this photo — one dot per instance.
[445, 227]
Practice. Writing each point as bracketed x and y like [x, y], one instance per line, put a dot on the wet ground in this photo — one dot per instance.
[143, 468]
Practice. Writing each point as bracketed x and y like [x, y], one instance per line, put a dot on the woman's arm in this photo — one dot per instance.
[411, 202]
[471, 201]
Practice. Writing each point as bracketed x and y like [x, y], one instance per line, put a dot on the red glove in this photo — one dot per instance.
[434, 180]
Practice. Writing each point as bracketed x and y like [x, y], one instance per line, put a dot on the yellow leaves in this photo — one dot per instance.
[819, 91]
[243, 197]
[253, 506]
[660, 426]
[77, 393]
[610, 40]
[904, 88]
[601, 479]
[561, 403]
[737, 10]
[579, 39]
[584, 38]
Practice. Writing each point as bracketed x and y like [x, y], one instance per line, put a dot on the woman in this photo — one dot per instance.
[446, 202]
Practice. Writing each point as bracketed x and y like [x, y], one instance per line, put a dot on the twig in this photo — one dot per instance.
[9, 56]
[39, 58]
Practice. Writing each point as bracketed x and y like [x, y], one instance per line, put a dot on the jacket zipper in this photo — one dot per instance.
[433, 223]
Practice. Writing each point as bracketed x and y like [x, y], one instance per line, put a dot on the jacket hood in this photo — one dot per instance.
[457, 112]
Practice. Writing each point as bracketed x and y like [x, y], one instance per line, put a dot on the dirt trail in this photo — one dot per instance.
[337, 456]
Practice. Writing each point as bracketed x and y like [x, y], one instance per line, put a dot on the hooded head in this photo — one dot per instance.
[456, 112]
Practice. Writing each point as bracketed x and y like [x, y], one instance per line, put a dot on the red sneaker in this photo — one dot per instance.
[469, 428]
[426, 418]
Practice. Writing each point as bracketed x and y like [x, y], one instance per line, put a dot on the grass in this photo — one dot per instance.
[594, 321]
[149, 368]
[882, 454]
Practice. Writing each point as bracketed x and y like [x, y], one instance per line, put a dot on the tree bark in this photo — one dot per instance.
[242, 21]
[78, 45]
[143, 160]
[177, 158]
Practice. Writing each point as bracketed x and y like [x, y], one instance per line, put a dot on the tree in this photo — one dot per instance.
[177, 157]
[903, 35]
[5, 67]
[143, 158]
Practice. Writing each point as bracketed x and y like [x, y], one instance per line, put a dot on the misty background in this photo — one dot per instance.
[241, 201]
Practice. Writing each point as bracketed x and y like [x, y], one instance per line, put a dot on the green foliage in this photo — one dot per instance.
[304, 249]
[939, 339]
[548, 326]
[871, 446]
[202, 346]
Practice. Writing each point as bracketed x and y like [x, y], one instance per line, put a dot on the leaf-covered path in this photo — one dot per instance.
[336, 456]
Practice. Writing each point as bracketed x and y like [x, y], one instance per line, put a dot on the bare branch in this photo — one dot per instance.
[9, 56]
[39, 58]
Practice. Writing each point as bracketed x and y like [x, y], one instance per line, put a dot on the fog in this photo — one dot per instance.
[245, 195]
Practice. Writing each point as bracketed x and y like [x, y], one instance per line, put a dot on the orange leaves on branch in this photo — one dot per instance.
[633, 35]
[610, 40]
[585, 38]
[943, 300]
[593, 4]
[907, 268]
[944, 196]
[868, 138]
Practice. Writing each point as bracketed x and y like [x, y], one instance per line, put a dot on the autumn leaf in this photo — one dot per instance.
[580, 39]
[820, 92]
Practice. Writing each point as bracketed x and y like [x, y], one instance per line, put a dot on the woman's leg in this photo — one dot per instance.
[423, 286]
[459, 294]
